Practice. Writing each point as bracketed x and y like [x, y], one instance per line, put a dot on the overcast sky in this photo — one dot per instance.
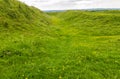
[72, 4]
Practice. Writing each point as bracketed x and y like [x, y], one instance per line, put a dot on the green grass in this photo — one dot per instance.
[62, 45]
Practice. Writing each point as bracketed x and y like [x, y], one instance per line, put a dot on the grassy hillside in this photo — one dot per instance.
[18, 16]
[93, 23]
[61, 45]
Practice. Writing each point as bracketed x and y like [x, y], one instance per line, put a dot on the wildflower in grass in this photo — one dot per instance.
[26, 78]
[60, 77]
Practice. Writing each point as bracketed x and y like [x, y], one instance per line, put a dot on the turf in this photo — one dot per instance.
[60, 45]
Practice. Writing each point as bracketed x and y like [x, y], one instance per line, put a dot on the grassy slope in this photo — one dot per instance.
[17, 16]
[92, 40]
[66, 45]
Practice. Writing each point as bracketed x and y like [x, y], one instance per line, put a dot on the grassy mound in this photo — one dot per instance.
[61, 45]
[93, 23]
[18, 16]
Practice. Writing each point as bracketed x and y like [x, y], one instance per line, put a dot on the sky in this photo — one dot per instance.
[72, 4]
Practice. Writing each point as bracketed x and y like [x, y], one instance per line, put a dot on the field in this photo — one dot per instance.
[58, 45]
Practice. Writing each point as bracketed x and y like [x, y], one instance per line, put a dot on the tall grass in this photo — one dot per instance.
[65, 45]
